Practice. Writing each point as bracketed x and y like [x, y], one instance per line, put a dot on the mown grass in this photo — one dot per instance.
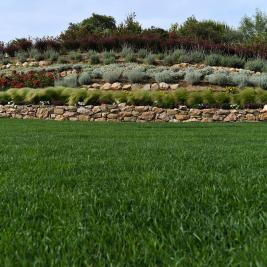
[85, 194]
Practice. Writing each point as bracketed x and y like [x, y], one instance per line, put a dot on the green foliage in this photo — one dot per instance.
[165, 76]
[168, 60]
[254, 28]
[68, 81]
[84, 78]
[36, 54]
[51, 55]
[259, 81]
[22, 56]
[135, 76]
[126, 50]
[150, 59]
[213, 60]
[256, 65]
[112, 76]
[130, 58]
[94, 59]
[130, 25]
[109, 58]
[207, 30]
[220, 78]
[98, 24]
[240, 79]
[233, 62]
[193, 77]
[75, 55]
[142, 53]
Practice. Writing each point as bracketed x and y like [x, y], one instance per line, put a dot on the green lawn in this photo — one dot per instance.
[87, 194]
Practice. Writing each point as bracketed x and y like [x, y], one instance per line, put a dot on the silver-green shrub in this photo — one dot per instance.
[193, 77]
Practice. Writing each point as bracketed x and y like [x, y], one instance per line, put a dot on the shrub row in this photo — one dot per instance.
[201, 99]
[152, 42]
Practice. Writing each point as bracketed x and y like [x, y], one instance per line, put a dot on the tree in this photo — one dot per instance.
[207, 29]
[254, 28]
[130, 25]
[96, 24]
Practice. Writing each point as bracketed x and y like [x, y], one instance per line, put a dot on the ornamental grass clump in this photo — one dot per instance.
[259, 81]
[109, 58]
[142, 53]
[233, 61]
[51, 54]
[213, 60]
[126, 50]
[36, 54]
[94, 59]
[257, 65]
[135, 76]
[193, 77]
[112, 76]
[68, 81]
[150, 59]
[75, 55]
[84, 78]
[22, 56]
[220, 78]
[165, 76]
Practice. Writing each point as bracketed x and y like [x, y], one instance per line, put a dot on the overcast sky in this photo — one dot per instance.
[37, 18]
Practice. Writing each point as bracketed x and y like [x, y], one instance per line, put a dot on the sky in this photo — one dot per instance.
[38, 18]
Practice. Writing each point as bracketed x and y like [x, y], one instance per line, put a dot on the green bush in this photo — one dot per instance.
[84, 78]
[135, 76]
[76, 96]
[126, 50]
[36, 54]
[142, 53]
[240, 79]
[213, 60]
[222, 98]
[94, 59]
[140, 98]
[150, 59]
[245, 97]
[51, 55]
[256, 65]
[168, 60]
[220, 78]
[165, 76]
[130, 58]
[112, 76]
[181, 96]
[74, 55]
[194, 99]
[109, 58]
[259, 81]
[233, 62]
[163, 100]
[208, 97]
[22, 56]
[195, 57]
[68, 81]
[193, 77]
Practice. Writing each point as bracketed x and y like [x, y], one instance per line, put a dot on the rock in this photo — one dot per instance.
[43, 63]
[141, 108]
[116, 86]
[83, 110]
[8, 66]
[58, 110]
[263, 116]
[265, 108]
[95, 85]
[83, 117]
[164, 86]
[250, 117]
[127, 87]
[147, 87]
[147, 116]
[154, 86]
[136, 86]
[231, 117]
[42, 113]
[106, 86]
[18, 64]
[25, 64]
[174, 86]
[112, 116]
[180, 117]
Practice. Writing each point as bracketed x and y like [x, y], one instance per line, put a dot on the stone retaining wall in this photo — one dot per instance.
[124, 113]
